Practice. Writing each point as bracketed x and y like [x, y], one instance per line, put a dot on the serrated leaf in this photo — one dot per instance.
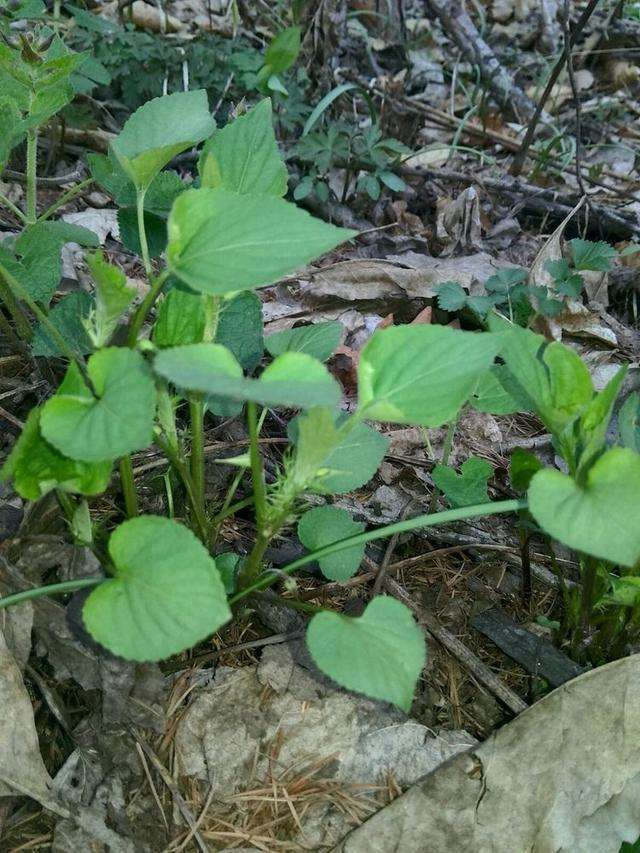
[244, 156]
[324, 525]
[629, 422]
[117, 422]
[451, 295]
[467, 488]
[588, 255]
[603, 517]
[293, 380]
[318, 340]
[220, 242]
[181, 319]
[240, 329]
[422, 374]
[158, 131]
[166, 594]
[505, 279]
[37, 468]
[380, 654]
[112, 298]
[69, 317]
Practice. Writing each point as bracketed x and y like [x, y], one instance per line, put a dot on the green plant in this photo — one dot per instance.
[192, 346]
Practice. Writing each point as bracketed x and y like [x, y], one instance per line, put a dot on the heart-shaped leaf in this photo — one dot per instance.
[165, 596]
[244, 156]
[467, 488]
[37, 468]
[220, 241]
[118, 421]
[318, 340]
[158, 131]
[422, 374]
[380, 654]
[294, 380]
[324, 525]
[603, 517]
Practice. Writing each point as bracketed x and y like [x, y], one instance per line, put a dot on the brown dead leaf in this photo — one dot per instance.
[458, 222]
[424, 316]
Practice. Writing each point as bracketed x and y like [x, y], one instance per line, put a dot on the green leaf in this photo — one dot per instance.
[229, 565]
[181, 319]
[220, 242]
[324, 525]
[566, 281]
[570, 385]
[451, 295]
[625, 592]
[69, 317]
[603, 517]
[497, 394]
[422, 374]
[293, 380]
[283, 51]
[467, 488]
[39, 246]
[595, 419]
[505, 279]
[37, 468]
[112, 298]
[166, 594]
[380, 654]
[318, 340]
[240, 329]
[117, 422]
[592, 256]
[629, 422]
[522, 466]
[244, 156]
[158, 131]
[13, 129]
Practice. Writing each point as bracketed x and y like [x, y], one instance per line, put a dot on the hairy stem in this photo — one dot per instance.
[32, 179]
[142, 234]
[20, 319]
[145, 307]
[196, 414]
[257, 472]
[13, 208]
[421, 521]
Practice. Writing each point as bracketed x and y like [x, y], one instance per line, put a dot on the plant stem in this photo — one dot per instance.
[145, 306]
[32, 179]
[257, 472]
[446, 452]
[22, 293]
[20, 320]
[128, 485]
[50, 589]
[13, 208]
[183, 472]
[196, 414]
[64, 198]
[142, 234]
[429, 520]
[226, 511]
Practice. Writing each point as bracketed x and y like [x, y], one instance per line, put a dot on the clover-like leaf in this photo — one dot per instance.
[119, 420]
[601, 518]
[318, 340]
[37, 468]
[166, 593]
[380, 653]
[293, 380]
[467, 488]
[324, 525]
[221, 241]
[244, 156]
[451, 295]
[588, 255]
[158, 131]
[422, 374]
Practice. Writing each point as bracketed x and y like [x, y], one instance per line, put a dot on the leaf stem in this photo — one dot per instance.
[64, 198]
[13, 208]
[50, 589]
[32, 178]
[145, 306]
[196, 415]
[257, 472]
[183, 472]
[21, 322]
[128, 485]
[420, 521]
[142, 234]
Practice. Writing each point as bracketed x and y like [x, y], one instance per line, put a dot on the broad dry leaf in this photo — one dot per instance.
[564, 777]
